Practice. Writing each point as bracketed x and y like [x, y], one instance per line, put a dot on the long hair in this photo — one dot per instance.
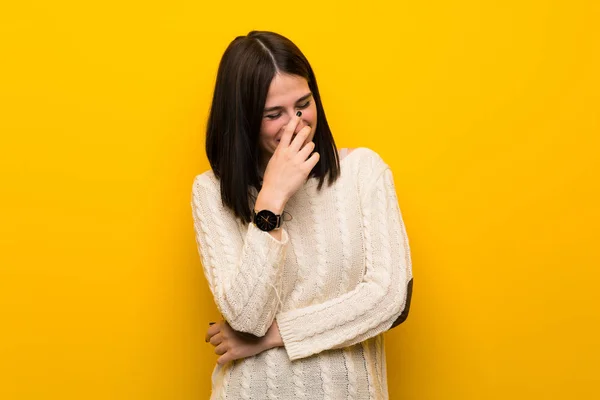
[245, 73]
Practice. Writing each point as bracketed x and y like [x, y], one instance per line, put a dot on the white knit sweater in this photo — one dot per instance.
[335, 282]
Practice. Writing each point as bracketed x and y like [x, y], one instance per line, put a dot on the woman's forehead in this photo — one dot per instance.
[283, 84]
[286, 88]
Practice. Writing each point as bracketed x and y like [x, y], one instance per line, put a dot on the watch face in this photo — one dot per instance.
[266, 220]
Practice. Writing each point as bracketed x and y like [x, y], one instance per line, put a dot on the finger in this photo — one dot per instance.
[228, 356]
[288, 132]
[300, 138]
[221, 349]
[306, 150]
[216, 339]
[224, 359]
[312, 161]
[211, 331]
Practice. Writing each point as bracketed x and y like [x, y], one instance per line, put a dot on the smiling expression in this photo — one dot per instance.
[287, 95]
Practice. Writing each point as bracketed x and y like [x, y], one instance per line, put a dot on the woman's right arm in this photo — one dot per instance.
[243, 271]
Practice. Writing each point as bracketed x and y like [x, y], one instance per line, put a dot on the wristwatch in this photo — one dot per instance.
[266, 220]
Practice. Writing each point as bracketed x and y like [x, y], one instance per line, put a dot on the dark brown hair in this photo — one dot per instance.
[245, 73]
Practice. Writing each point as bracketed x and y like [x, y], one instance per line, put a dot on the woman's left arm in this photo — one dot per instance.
[379, 301]
[380, 298]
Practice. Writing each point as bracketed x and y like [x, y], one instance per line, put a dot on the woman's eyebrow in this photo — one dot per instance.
[305, 97]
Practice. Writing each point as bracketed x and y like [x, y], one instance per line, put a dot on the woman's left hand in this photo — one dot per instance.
[232, 345]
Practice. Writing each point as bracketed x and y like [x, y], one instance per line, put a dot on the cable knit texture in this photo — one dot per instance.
[335, 282]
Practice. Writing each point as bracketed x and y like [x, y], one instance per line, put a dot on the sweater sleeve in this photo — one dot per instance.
[376, 302]
[243, 270]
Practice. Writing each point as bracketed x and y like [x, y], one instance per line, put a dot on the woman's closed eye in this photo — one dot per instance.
[300, 107]
[273, 116]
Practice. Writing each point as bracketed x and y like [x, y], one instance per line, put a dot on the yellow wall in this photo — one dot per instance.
[487, 111]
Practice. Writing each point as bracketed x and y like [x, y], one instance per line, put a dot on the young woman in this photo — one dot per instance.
[304, 248]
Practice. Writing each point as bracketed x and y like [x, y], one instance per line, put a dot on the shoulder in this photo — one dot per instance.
[365, 162]
[367, 169]
[205, 182]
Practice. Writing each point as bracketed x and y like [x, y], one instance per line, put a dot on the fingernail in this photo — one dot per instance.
[299, 114]
[211, 323]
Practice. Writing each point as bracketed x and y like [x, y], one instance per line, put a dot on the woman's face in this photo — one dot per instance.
[287, 95]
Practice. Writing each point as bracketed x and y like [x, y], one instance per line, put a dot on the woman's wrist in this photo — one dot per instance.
[269, 199]
[273, 337]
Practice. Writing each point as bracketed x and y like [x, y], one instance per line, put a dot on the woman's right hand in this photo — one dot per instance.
[288, 167]
[232, 345]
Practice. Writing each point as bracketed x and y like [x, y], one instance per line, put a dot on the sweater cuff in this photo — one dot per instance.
[272, 244]
[291, 341]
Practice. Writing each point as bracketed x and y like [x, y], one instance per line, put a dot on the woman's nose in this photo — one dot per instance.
[301, 124]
